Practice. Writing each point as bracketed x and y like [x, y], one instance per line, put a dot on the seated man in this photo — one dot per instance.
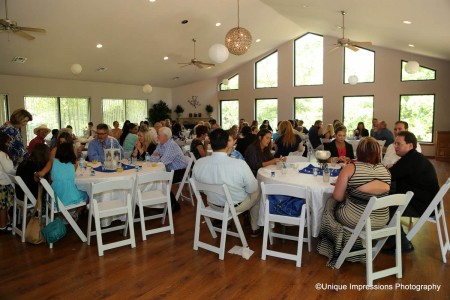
[102, 141]
[41, 132]
[315, 133]
[390, 157]
[235, 173]
[413, 172]
[169, 153]
[384, 134]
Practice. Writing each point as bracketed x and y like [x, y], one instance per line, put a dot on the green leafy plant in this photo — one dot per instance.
[179, 110]
[159, 111]
[209, 109]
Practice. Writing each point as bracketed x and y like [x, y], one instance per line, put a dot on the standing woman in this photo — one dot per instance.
[258, 154]
[19, 118]
[6, 189]
[146, 142]
[288, 141]
[116, 132]
[339, 147]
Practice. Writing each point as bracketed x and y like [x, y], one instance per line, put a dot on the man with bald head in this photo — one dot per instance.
[383, 134]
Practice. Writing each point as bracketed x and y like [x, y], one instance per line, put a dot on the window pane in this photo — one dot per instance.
[267, 71]
[233, 84]
[44, 111]
[267, 109]
[3, 108]
[136, 111]
[229, 113]
[360, 63]
[418, 111]
[422, 74]
[309, 110]
[114, 110]
[75, 112]
[309, 60]
[358, 109]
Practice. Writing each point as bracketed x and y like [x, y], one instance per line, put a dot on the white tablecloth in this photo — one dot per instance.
[319, 191]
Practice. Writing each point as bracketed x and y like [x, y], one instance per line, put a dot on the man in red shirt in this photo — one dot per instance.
[41, 132]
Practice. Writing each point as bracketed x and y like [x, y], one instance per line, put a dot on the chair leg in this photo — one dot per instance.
[142, 217]
[131, 224]
[98, 228]
[14, 217]
[301, 232]
[169, 211]
[89, 228]
[197, 226]
[223, 235]
[24, 220]
[266, 231]
[369, 257]
[398, 249]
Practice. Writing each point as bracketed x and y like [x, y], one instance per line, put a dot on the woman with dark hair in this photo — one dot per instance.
[54, 138]
[199, 145]
[247, 138]
[6, 189]
[63, 176]
[125, 131]
[176, 131]
[131, 138]
[266, 122]
[361, 130]
[356, 184]
[19, 118]
[339, 147]
[288, 141]
[258, 154]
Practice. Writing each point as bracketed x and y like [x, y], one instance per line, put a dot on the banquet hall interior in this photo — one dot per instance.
[141, 52]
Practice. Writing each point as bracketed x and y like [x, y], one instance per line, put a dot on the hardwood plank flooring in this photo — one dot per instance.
[166, 267]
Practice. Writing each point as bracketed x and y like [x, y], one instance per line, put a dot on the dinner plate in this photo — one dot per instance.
[94, 165]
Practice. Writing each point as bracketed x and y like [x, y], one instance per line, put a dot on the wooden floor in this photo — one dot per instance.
[166, 267]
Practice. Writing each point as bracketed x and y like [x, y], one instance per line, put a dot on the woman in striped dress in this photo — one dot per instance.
[356, 184]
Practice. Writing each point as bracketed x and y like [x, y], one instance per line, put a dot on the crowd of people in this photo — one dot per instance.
[238, 154]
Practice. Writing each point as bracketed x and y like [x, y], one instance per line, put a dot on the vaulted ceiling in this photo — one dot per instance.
[137, 34]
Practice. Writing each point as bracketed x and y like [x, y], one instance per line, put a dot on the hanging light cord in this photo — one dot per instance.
[238, 12]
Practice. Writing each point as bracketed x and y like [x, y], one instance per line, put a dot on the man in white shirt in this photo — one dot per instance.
[235, 173]
[390, 158]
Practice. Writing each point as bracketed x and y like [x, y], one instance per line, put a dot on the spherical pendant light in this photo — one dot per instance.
[238, 40]
[76, 69]
[218, 53]
[147, 88]
[353, 79]
[412, 67]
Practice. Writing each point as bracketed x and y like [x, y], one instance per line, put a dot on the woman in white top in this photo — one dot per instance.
[6, 189]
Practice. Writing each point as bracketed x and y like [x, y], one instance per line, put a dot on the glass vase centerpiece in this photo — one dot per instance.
[112, 158]
[322, 157]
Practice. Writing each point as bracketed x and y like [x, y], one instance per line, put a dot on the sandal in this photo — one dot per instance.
[6, 229]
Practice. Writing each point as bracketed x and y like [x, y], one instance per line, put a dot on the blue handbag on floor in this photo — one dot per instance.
[54, 231]
[285, 205]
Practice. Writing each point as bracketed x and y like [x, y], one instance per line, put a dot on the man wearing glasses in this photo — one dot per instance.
[102, 141]
[412, 172]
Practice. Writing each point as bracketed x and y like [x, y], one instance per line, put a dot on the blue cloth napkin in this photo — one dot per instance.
[309, 170]
[104, 170]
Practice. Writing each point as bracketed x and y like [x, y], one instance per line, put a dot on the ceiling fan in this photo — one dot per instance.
[345, 42]
[195, 62]
[11, 26]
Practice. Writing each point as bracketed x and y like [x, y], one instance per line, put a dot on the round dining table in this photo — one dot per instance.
[318, 190]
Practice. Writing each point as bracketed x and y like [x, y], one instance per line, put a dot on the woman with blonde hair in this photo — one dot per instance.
[287, 140]
[146, 142]
[328, 133]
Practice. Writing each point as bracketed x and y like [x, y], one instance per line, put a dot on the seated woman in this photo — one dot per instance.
[356, 184]
[361, 131]
[63, 176]
[146, 143]
[288, 141]
[247, 138]
[6, 189]
[199, 145]
[339, 147]
[116, 132]
[131, 138]
[328, 133]
[232, 152]
[258, 154]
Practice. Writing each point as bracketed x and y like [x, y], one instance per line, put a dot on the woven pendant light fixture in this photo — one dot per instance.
[238, 40]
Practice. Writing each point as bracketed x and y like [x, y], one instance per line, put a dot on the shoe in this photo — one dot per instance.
[405, 249]
[176, 207]
[6, 229]
[256, 233]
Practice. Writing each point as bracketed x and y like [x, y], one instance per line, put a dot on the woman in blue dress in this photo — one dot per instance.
[63, 176]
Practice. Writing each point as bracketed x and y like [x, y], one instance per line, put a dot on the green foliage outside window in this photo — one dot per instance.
[358, 109]
[309, 60]
[309, 110]
[267, 71]
[423, 74]
[418, 111]
[229, 113]
[267, 109]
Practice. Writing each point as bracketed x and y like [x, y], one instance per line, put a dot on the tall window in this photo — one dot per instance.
[229, 113]
[266, 71]
[121, 110]
[57, 112]
[309, 110]
[424, 73]
[4, 110]
[360, 63]
[267, 109]
[358, 109]
[308, 51]
[233, 84]
[418, 111]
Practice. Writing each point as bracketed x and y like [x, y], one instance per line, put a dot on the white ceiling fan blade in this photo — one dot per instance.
[362, 43]
[334, 49]
[351, 47]
[24, 35]
[32, 29]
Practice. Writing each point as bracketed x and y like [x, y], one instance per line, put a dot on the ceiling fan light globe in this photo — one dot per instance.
[76, 69]
[218, 53]
[412, 67]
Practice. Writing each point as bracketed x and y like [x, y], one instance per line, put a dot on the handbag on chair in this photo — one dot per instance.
[33, 230]
[55, 230]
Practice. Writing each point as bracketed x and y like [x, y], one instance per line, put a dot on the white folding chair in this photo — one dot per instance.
[28, 202]
[184, 181]
[154, 197]
[301, 221]
[381, 143]
[52, 199]
[224, 215]
[190, 154]
[110, 208]
[364, 230]
[436, 206]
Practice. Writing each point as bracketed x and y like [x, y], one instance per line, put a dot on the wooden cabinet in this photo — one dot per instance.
[443, 145]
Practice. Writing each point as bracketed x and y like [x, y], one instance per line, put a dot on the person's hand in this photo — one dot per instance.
[36, 176]
[155, 153]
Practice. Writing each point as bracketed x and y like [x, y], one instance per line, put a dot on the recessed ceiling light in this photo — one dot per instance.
[166, 57]
[152, 0]
[175, 78]
[218, 24]
[305, 6]
[19, 59]
[99, 46]
[101, 69]
[184, 22]
[258, 40]
[411, 45]
[407, 22]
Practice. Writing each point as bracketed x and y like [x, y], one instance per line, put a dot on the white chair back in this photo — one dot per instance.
[185, 180]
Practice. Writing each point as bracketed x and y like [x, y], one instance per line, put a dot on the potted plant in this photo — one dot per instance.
[159, 111]
[179, 110]
[209, 109]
